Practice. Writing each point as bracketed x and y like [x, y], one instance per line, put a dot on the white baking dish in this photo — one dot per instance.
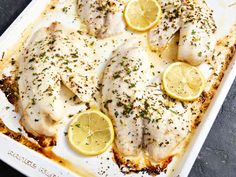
[32, 163]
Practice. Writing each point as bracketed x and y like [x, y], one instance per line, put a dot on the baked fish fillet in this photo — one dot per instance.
[197, 33]
[124, 82]
[75, 62]
[104, 18]
[160, 36]
[52, 57]
[39, 89]
[166, 123]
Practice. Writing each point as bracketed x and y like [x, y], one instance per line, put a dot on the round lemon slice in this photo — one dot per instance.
[142, 15]
[91, 133]
[183, 81]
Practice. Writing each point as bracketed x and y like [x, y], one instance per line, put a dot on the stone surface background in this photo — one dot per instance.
[218, 155]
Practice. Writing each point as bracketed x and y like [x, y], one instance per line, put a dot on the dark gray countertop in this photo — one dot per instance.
[218, 155]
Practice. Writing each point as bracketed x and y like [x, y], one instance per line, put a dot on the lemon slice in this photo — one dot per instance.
[183, 81]
[91, 133]
[142, 15]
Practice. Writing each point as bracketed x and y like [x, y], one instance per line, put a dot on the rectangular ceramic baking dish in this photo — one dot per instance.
[32, 163]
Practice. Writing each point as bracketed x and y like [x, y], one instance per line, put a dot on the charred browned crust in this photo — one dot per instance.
[18, 137]
[127, 166]
[206, 97]
[9, 86]
[43, 141]
[47, 152]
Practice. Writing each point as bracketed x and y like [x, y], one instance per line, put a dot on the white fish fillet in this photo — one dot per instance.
[104, 18]
[197, 33]
[124, 82]
[39, 87]
[52, 56]
[75, 61]
[166, 124]
[160, 36]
